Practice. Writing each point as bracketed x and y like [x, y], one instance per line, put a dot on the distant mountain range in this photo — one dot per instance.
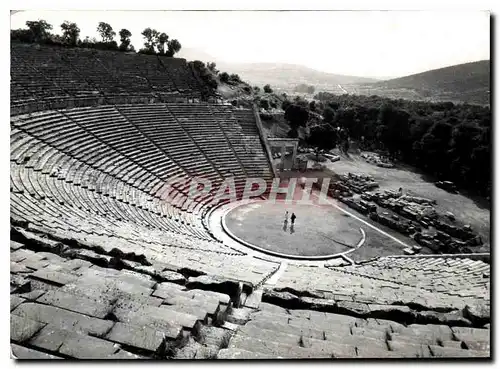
[469, 82]
[278, 75]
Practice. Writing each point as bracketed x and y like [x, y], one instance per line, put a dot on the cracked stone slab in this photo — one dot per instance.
[353, 308]
[22, 328]
[54, 277]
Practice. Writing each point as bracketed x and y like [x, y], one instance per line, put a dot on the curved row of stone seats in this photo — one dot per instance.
[463, 277]
[40, 159]
[361, 290]
[198, 120]
[160, 126]
[32, 81]
[51, 161]
[246, 120]
[127, 204]
[46, 71]
[48, 63]
[275, 332]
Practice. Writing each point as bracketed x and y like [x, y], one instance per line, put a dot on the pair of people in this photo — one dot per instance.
[292, 218]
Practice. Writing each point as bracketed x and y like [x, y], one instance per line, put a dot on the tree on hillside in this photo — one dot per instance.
[268, 89]
[161, 40]
[150, 39]
[71, 32]
[297, 116]
[328, 115]
[256, 89]
[432, 150]
[21, 35]
[285, 104]
[106, 31]
[174, 46]
[312, 105]
[393, 129]
[322, 137]
[39, 30]
[264, 104]
[224, 77]
[125, 43]
[212, 68]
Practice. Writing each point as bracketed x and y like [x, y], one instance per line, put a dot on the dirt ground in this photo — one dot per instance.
[318, 230]
[467, 209]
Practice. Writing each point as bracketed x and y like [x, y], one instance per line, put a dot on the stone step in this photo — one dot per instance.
[319, 349]
[79, 304]
[450, 352]
[240, 354]
[471, 334]
[142, 337]
[63, 319]
[160, 318]
[72, 344]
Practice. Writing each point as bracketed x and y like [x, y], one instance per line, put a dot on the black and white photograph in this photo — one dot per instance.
[258, 185]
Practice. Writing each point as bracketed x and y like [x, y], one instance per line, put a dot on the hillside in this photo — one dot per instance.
[469, 82]
[287, 76]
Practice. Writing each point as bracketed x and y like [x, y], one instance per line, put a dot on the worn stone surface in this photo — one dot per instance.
[15, 301]
[87, 347]
[63, 319]
[54, 277]
[160, 318]
[22, 329]
[479, 313]
[136, 336]
[79, 304]
[353, 308]
[409, 349]
[471, 334]
[25, 353]
[449, 352]
[240, 354]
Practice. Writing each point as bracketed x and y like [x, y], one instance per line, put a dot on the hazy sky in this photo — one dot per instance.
[372, 44]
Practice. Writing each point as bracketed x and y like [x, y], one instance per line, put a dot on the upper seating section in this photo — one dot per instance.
[39, 71]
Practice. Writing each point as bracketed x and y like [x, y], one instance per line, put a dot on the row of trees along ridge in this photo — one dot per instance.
[155, 42]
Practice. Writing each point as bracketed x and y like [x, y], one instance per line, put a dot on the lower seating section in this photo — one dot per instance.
[365, 285]
[80, 300]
